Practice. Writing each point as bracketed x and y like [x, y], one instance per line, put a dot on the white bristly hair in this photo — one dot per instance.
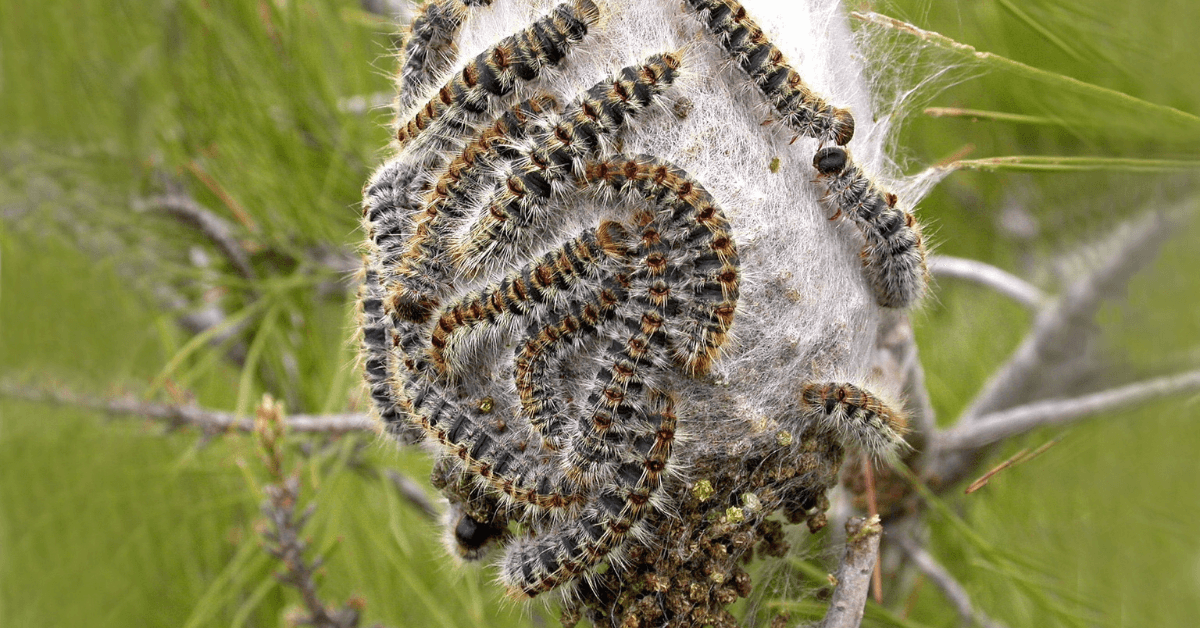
[806, 310]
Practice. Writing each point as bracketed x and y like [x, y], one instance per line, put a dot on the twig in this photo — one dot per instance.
[1077, 305]
[854, 574]
[999, 116]
[283, 540]
[897, 360]
[987, 275]
[950, 587]
[997, 426]
[215, 228]
[873, 511]
[413, 492]
[180, 415]
[1021, 456]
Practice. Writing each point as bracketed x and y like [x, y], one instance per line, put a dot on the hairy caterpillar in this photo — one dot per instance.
[894, 255]
[798, 106]
[494, 73]
[855, 415]
[546, 168]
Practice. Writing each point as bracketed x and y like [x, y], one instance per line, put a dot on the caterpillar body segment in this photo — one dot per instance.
[687, 262]
[894, 255]
[430, 48]
[618, 405]
[672, 293]
[391, 199]
[461, 184]
[857, 416]
[547, 168]
[524, 298]
[532, 566]
[466, 431]
[376, 342]
[798, 106]
[540, 406]
[494, 73]
[391, 203]
[486, 446]
[423, 267]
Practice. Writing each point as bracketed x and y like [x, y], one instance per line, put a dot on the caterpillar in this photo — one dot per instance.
[495, 72]
[546, 168]
[855, 415]
[894, 254]
[540, 368]
[798, 106]
[531, 566]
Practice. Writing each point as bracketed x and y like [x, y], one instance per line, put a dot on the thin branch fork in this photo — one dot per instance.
[191, 415]
[1077, 305]
[1052, 339]
[989, 276]
[215, 228]
[853, 576]
[995, 427]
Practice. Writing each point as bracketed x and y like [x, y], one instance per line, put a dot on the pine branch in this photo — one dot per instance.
[853, 577]
[988, 276]
[412, 491]
[1077, 306]
[190, 415]
[954, 592]
[997, 426]
[1050, 343]
[284, 526]
[219, 231]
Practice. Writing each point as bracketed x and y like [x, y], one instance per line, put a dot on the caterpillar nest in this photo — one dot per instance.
[602, 285]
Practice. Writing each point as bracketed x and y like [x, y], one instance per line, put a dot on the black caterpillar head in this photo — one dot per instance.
[831, 160]
[472, 535]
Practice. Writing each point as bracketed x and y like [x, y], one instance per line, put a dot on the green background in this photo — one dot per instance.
[119, 523]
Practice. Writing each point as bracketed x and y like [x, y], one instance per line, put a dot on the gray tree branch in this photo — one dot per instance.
[190, 415]
[285, 525]
[219, 231]
[1052, 341]
[854, 574]
[954, 592]
[410, 490]
[1077, 306]
[989, 276]
[995, 427]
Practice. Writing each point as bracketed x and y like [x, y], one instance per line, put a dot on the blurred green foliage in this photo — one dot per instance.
[237, 103]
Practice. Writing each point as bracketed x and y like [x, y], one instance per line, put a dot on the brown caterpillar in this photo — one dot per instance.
[494, 72]
[799, 107]
[545, 169]
[894, 254]
[856, 415]
[532, 566]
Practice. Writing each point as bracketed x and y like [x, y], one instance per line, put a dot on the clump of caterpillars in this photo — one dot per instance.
[540, 372]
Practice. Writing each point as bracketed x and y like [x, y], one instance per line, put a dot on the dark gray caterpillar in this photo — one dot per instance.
[800, 108]
[494, 72]
[894, 254]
